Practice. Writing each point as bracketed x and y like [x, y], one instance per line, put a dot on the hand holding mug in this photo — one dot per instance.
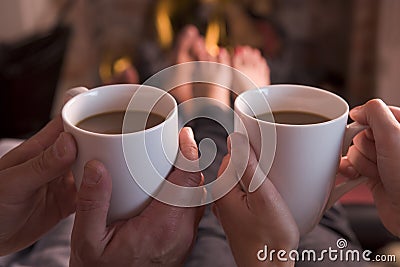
[375, 154]
[36, 187]
[253, 220]
[133, 130]
[297, 133]
[161, 235]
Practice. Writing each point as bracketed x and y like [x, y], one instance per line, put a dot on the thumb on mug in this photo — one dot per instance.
[93, 203]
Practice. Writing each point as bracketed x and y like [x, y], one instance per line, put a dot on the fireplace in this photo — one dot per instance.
[326, 44]
[333, 44]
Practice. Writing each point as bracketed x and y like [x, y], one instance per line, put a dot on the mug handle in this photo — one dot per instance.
[341, 189]
[73, 92]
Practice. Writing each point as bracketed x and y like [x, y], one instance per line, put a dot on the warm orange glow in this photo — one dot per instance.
[105, 71]
[212, 37]
[163, 25]
[108, 68]
[122, 64]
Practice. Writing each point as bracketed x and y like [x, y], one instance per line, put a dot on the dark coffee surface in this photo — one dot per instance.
[112, 122]
[293, 117]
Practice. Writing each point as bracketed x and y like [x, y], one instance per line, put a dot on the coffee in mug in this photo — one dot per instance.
[292, 117]
[112, 122]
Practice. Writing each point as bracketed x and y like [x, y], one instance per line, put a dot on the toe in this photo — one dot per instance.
[223, 57]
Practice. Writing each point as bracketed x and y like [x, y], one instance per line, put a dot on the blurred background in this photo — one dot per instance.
[350, 47]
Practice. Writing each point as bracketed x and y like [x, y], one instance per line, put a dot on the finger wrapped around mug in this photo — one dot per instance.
[252, 220]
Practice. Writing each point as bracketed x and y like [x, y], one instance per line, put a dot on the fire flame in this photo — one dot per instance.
[212, 37]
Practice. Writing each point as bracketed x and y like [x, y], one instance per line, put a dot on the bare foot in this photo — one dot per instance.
[250, 62]
[219, 77]
[189, 45]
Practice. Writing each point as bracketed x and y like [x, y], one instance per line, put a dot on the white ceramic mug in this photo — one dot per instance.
[146, 155]
[306, 158]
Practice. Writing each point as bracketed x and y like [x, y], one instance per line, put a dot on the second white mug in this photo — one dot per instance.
[300, 160]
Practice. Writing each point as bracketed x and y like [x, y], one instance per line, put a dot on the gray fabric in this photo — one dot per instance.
[332, 227]
[52, 250]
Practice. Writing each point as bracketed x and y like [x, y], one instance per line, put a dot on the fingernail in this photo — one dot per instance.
[351, 172]
[355, 110]
[92, 175]
[190, 132]
[60, 148]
